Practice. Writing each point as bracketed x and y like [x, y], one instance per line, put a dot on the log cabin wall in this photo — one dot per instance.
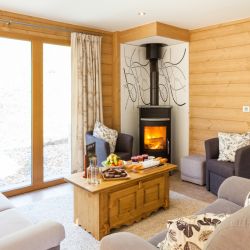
[219, 69]
[219, 81]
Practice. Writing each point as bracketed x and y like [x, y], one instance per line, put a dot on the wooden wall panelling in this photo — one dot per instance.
[173, 32]
[137, 33]
[116, 82]
[235, 77]
[224, 29]
[48, 23]
[107, 78]
[219, 81]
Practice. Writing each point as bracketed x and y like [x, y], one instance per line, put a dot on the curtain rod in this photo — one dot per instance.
[9, 22]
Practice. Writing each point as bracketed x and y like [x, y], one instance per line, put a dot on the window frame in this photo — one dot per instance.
[37, 42]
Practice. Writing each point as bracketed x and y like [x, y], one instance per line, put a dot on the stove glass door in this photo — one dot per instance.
[155, 137]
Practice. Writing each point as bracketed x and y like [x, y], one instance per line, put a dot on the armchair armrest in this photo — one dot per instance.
[40, 236]
[124, 143]
[242, 162]
[212, 148]
[125, 241]
[235, 189]
[102, 147]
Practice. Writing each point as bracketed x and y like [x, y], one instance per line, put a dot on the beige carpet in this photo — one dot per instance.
[61, 209]
[180, 205]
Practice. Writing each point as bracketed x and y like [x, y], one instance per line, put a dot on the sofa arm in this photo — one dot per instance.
[212, 148]
[40, 236]
[124, 143]
[102, 147]
[125, 241]
[235, 189]
[242, 162]
[232, 234]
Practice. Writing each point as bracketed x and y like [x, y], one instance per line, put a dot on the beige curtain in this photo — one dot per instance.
[86, 92]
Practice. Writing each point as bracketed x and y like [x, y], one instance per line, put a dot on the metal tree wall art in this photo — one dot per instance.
[172, 80]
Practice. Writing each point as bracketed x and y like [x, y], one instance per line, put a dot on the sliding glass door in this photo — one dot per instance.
[35, 117]
[56, 111]
[15, 114]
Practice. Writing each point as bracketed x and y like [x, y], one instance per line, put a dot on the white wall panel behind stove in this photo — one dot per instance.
[174, 91]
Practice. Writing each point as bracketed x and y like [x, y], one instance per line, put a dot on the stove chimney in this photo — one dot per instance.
[153, 54]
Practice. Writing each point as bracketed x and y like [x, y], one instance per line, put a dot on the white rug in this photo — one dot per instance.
[61, 209]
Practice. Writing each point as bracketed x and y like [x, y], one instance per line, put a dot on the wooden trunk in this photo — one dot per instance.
[122, 203]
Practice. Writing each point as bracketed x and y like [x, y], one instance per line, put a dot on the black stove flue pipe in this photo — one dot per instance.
[153, 54]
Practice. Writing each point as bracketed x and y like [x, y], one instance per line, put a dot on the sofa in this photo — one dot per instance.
[218, 171]
[124, 146]
[232, 234]
[18, 233]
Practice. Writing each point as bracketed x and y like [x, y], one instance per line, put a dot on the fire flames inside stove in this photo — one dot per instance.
[155, 137]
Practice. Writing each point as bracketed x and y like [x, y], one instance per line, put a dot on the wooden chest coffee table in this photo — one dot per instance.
[98, 208]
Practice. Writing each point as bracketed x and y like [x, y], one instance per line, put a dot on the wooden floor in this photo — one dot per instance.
[189, 189]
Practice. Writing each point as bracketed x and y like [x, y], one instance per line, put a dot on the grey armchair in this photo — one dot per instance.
[218, 171]
[124, 146]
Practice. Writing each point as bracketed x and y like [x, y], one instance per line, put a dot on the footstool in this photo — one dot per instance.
[193, 169]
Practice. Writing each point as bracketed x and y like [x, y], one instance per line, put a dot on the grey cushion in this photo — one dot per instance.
[220, 206]
[4, 203]
[233, 233]
[221, 168]
[125, 241]
[11, 221]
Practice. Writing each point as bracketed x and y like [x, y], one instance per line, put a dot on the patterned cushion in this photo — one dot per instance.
[190, 233]
[107, 134]
[229, 143]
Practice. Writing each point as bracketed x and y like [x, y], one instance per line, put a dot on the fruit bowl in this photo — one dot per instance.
[106, 165]
[113, 160]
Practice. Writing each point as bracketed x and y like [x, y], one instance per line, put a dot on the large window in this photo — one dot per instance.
[15, 114]
[56, 110]
[35, 105]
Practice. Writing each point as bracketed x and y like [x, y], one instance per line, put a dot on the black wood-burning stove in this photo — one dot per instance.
[155, 120]
[155, 130]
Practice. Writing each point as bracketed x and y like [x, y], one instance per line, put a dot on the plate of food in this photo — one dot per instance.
[113, 160]
[115, 173]
[134, 166]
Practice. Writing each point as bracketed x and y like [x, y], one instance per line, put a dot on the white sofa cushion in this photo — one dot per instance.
[41, 236]
[11, 221]
[4, 203]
